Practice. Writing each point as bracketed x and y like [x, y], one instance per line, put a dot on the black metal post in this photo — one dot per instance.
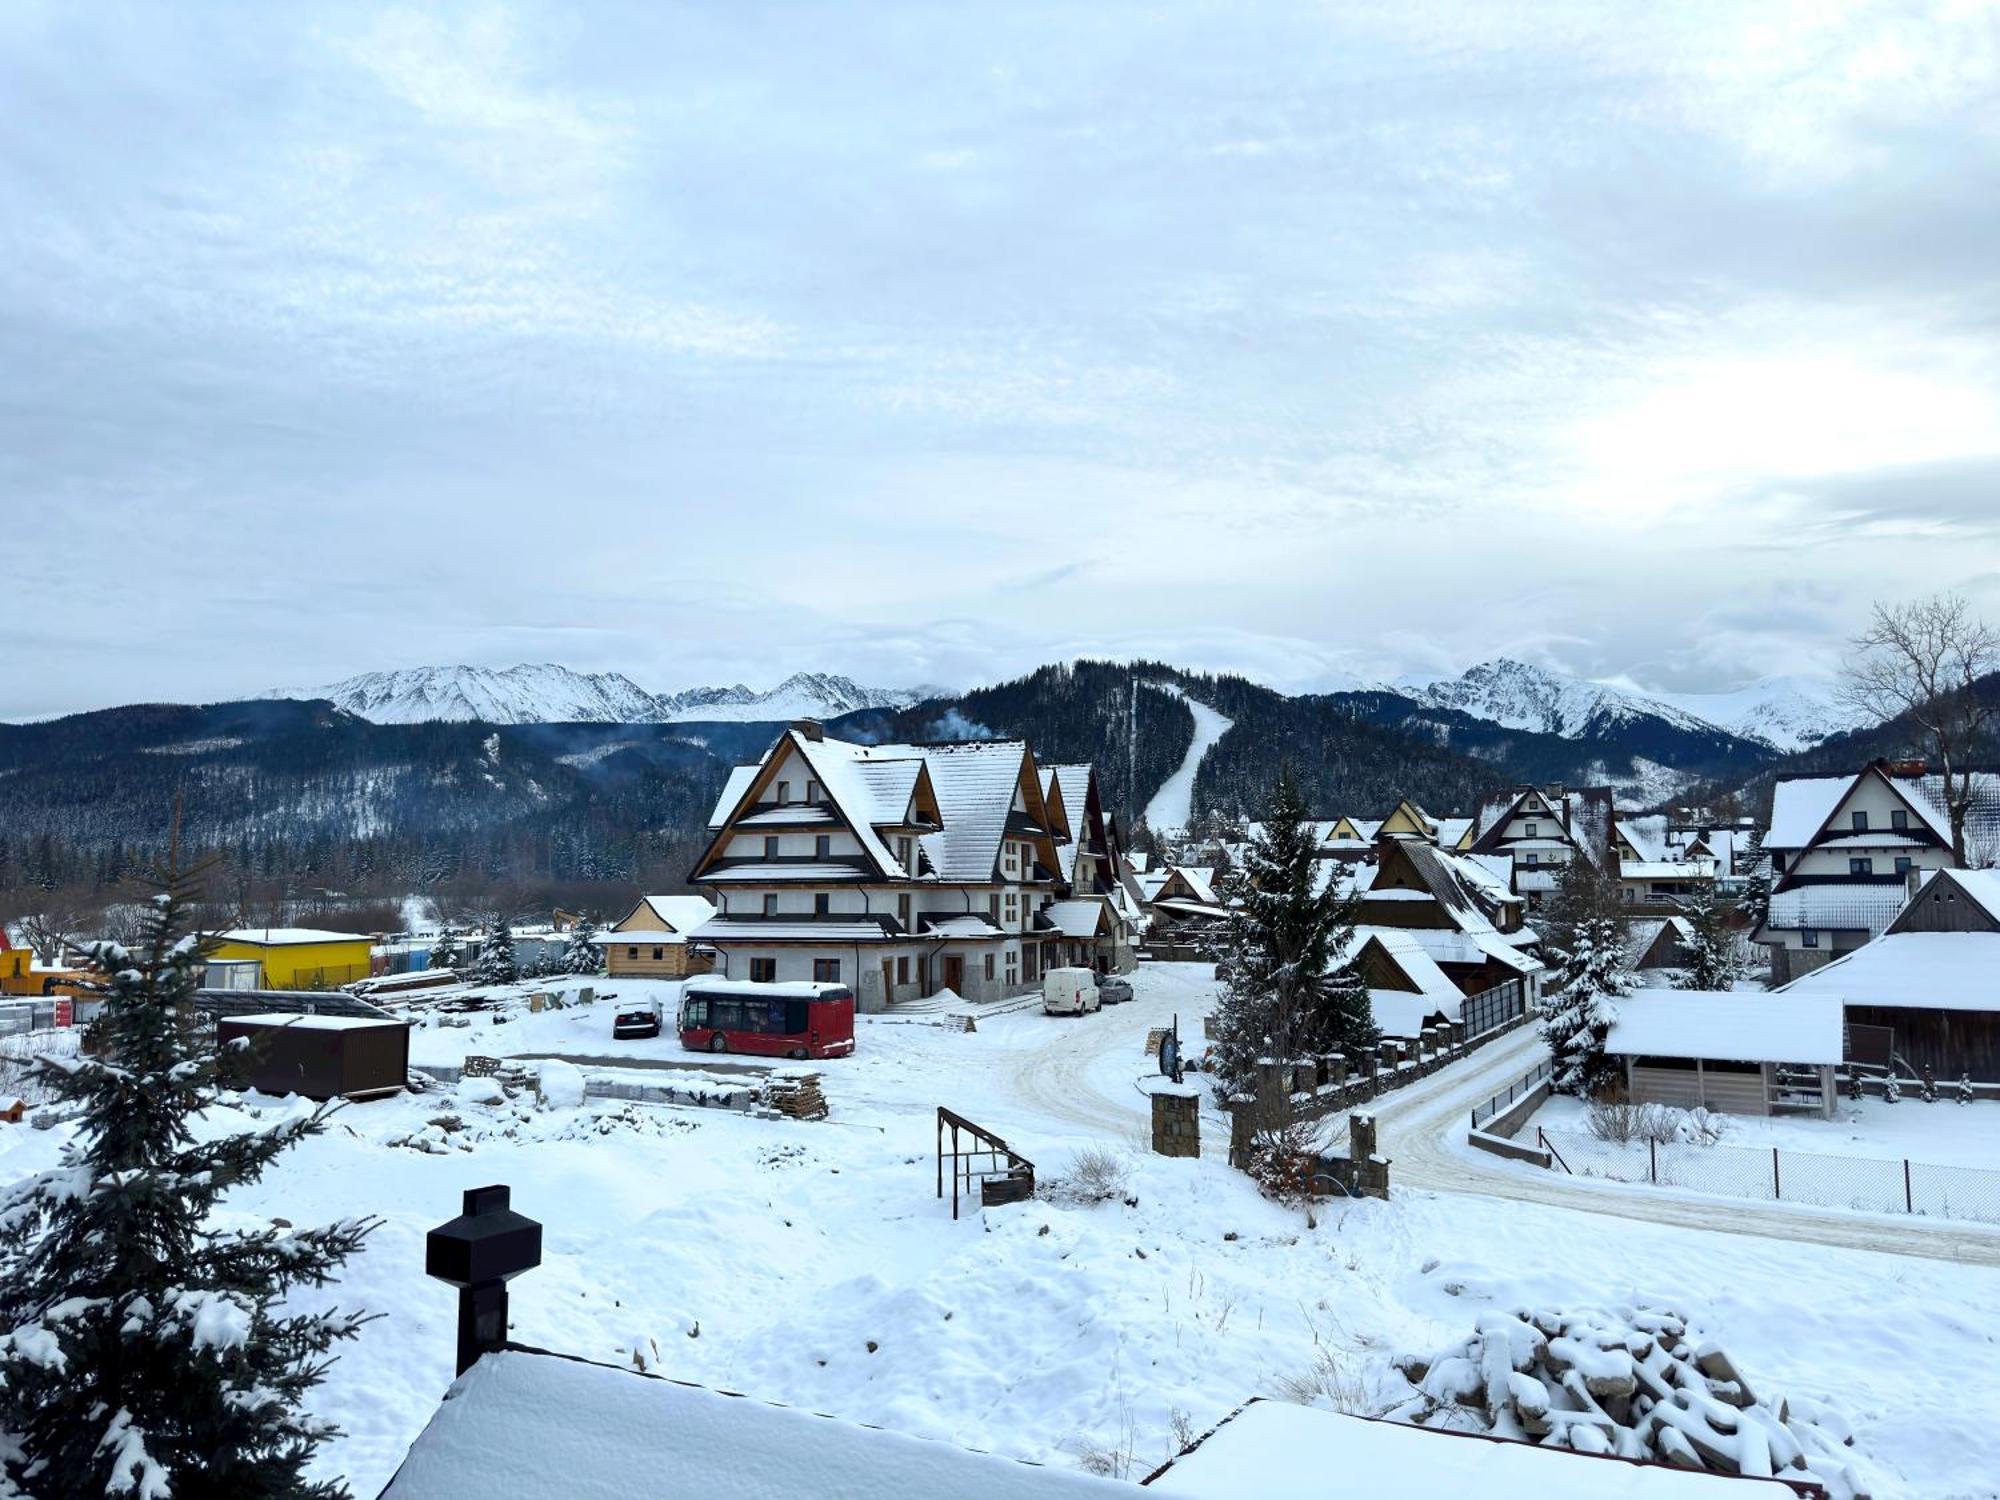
[479, 1252]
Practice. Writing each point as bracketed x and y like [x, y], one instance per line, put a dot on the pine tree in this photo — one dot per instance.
[1712, 962]
[1585, 934]
[142, 1351]
[496, 957]
[1281, 1000]
[583, 956]
[1756, 902]
[444, 952]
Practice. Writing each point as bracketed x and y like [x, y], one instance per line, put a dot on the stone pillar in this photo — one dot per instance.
[1371, 1168]
[1177, 1120]
[1305, 1077]
[1336, 1069]
[1392, 1053]
[1242, 1130]
[1423, 1044]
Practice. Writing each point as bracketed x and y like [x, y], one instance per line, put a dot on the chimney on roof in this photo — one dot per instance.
[812, 729]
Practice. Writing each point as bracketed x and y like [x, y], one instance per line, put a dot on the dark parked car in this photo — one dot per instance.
[1113, 989]
[643, 1021]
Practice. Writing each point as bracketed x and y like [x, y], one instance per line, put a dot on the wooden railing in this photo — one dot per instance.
[1002, 1174]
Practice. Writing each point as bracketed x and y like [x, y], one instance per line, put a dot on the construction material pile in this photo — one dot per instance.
[1634, 1382]
[796, 1095]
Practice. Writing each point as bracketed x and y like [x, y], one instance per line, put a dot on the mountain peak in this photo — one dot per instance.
[547, 693]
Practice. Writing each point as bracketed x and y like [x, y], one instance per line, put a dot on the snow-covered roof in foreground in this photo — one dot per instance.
[1276, 1451]
[1727, 1026]
[522, 1423]
[1912, 970]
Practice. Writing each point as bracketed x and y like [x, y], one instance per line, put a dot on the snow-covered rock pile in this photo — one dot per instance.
[1634, 1382]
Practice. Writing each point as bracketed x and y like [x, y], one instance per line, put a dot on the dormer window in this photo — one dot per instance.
[1860, 820]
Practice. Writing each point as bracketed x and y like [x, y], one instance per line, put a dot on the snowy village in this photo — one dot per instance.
[874, 752]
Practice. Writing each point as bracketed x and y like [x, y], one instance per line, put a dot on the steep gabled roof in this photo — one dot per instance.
[976, 783]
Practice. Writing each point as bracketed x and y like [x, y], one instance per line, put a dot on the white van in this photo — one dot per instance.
[1069, 992]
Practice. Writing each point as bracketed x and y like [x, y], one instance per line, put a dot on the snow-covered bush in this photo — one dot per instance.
[1094, 1175]
[1660, 1123]
[1632, 1381]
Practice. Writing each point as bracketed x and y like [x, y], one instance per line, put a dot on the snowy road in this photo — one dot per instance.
[1087, 1075]
[1173, 804]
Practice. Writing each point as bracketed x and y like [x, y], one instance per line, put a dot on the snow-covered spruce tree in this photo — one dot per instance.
[143, 1352]
[497, 964]
[444, 952]
[1712, 963]
[582, 955]
[1585, 934]
[1280, 1001]
[1756, 901]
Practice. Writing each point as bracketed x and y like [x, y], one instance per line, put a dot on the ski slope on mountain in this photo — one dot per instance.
[1172, 806]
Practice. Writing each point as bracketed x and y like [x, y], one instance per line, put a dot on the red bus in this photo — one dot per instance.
[767, 1020]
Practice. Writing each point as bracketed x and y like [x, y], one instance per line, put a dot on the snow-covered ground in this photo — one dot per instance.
[811, 1262]
[1944, 1133]
[1172, 805]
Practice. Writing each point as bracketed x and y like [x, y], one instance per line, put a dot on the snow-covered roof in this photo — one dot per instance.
[524, 1423]
[975, 786]
[1837, 907]
[958, 925]
[299, 1022]
[1641, 933]
[1800, 806]
[1191, 908]
[1644, 838]
[1409, 956]
[280, 937]
[1667, 869]
[682, 913]
[732, 792]
[1980, 887]
[1448, 947]
[753, 930]
[788, 989]
[1078, 918]
[631, 936]
[1913, 971]
[1274, 1450]
[1728, 1026]
[767, 872]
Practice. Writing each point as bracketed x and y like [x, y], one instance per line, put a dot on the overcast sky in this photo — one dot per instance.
[928, 343]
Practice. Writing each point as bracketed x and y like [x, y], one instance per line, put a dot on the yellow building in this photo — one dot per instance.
[299, 958]
[15, 967]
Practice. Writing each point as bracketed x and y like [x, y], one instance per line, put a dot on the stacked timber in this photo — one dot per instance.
[796, 1095]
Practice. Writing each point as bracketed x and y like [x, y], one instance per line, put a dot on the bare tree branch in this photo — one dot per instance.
[1924, 662]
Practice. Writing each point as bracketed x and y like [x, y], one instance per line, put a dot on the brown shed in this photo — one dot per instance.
[321, 1057]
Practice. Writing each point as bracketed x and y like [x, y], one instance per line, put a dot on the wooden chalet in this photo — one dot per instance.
[1926, 993]
[651, 940]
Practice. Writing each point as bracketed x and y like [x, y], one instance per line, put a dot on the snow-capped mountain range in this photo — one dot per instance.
[1786, 713]
[545, 693]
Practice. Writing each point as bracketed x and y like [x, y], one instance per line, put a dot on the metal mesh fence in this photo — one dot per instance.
[1863, 1183]
[1485, 1111]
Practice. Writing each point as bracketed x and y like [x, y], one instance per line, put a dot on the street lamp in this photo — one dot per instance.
[479, 1252]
